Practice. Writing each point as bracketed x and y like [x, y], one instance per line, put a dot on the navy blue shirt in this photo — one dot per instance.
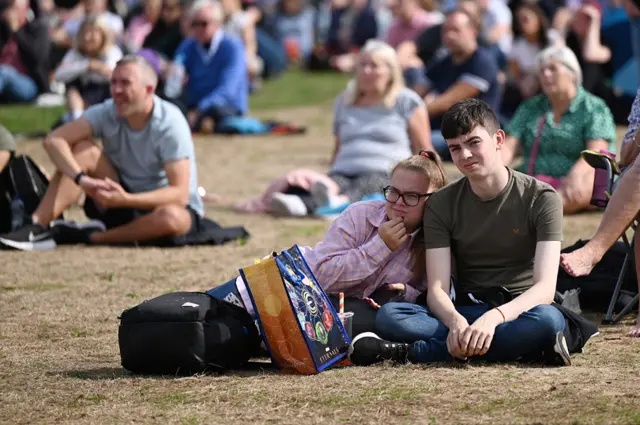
[480, 70]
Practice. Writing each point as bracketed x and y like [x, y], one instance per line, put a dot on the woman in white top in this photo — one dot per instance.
[377, 122]
[86, 69]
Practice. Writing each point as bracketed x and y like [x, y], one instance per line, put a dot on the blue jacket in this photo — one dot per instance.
[217, 80]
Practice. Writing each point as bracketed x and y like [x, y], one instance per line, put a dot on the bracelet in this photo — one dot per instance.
[504, 319]
[78, 176]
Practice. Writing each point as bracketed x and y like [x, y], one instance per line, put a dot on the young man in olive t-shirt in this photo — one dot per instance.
[502, 231]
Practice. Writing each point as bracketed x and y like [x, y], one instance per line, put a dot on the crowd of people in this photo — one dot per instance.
[488, 49]
[408, 249]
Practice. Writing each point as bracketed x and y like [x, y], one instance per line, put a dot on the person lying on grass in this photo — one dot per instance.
[503, 230]
[374, 250]
[141, 186]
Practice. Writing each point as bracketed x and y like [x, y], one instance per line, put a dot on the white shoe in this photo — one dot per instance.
[286, 205]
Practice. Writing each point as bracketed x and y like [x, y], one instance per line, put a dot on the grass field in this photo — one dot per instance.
[59, 359]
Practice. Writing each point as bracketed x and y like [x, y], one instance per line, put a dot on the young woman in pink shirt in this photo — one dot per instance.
[374, 251]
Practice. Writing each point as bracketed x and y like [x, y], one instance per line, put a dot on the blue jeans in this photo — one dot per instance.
[272, 53]
[531, 333]
[415, 76]
[635, 37]
[15, 86]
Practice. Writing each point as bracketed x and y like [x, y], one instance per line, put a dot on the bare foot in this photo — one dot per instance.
[579, 262]
[635, 332]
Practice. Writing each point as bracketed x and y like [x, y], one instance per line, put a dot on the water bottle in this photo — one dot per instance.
[17, 213]
[173, 85]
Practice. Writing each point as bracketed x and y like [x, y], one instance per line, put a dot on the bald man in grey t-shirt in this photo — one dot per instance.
[141, 185]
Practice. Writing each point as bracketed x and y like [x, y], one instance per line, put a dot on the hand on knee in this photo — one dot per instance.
[172, 220]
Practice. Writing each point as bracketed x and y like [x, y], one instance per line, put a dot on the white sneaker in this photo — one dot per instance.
[288, 205]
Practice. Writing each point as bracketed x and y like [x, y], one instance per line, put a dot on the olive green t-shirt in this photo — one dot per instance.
[493, 241]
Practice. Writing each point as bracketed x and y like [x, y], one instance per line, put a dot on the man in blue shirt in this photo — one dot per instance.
[215, 63]
[463, 72]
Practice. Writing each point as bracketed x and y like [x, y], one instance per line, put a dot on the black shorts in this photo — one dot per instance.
[116, 217]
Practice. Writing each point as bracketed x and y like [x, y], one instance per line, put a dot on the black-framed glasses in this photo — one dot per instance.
[391, 194]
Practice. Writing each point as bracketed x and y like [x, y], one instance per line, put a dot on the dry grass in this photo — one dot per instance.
[59, 360]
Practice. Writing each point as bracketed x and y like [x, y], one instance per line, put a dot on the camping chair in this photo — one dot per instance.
[605, 161]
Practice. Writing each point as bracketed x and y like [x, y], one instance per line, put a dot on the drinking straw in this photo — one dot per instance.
[341, 303]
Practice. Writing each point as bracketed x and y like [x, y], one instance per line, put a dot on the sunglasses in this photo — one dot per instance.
[199, 24]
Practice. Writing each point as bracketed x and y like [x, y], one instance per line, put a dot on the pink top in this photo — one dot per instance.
[138, 29]
[401, 30]
[352, 258]
[10, 55]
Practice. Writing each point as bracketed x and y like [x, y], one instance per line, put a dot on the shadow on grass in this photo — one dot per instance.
[110, 373]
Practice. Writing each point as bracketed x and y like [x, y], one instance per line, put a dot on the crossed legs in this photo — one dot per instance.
[164, 221]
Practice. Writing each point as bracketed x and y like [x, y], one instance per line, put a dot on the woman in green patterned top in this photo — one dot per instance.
[565, 119]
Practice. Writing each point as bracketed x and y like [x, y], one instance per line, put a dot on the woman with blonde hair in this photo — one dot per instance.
[378, 122]
[86, 69]
[553, 128]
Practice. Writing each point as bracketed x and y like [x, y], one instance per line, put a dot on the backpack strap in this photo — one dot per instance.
[536, 145]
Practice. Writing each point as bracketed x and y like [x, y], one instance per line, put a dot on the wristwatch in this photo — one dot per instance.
[78, 176]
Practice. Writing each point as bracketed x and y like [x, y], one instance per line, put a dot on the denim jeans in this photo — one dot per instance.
[635, 37]
[272, 53]
[528, 335]
[15, 86]
[415, 76]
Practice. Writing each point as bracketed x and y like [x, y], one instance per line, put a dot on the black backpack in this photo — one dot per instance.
[184, 333]
[24, 179]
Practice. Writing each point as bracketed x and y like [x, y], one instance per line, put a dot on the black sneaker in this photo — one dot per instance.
[558, 355]
[31, 237]
[72, 233]
[368, 348]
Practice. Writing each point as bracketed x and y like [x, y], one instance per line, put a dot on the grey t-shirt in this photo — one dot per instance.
[139, 157]
[7, 142]
[374, 138]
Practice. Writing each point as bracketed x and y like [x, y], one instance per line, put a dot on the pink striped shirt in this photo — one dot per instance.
[352, 258]
[401, 30]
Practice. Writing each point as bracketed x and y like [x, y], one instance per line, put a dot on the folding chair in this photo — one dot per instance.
[605, 161]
